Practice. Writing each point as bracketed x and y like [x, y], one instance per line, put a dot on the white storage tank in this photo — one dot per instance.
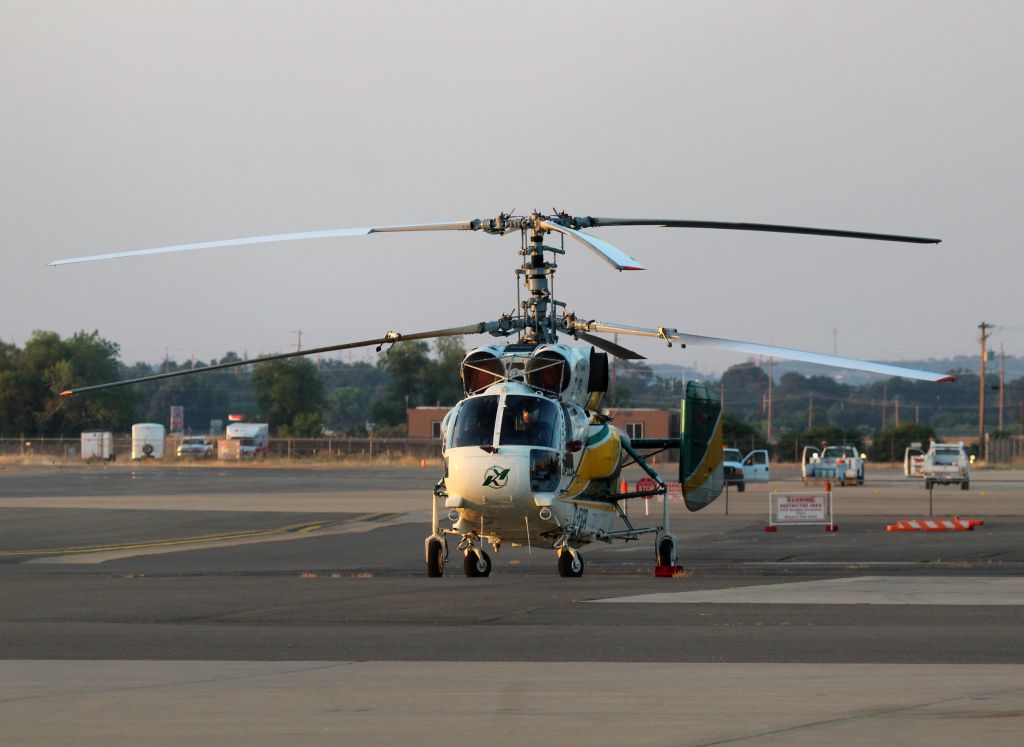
[147, 441]
[97, 445]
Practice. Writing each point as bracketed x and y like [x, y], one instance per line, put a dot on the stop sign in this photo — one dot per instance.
[646, 485]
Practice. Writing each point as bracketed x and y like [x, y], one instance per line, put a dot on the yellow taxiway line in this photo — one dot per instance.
[293, 528]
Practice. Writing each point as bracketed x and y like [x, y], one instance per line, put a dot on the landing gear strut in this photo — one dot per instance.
[666, 551]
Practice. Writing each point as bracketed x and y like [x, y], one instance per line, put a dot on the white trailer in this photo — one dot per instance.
[148, 441]
[97, 445]
[253, 438]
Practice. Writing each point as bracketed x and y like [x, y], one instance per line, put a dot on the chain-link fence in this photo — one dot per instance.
[288, 448]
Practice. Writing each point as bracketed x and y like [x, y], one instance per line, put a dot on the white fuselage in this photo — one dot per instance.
[519, 464]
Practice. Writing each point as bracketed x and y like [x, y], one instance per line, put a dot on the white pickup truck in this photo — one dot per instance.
[839, 463]
[739, 469]
[947, 464]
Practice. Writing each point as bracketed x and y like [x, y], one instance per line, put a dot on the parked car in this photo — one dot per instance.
[196, 446]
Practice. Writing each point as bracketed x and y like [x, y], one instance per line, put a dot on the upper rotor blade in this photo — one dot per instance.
[610, 347]
[389, 338]
[467, 225]
[611, 254]
[766, 227]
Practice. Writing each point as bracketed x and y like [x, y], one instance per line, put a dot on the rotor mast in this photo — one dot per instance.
[540, 308]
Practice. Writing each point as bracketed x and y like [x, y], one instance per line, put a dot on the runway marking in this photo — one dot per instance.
[908, 590]
[199, 539]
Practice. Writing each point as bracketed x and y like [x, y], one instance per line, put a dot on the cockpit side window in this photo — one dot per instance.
[528, 421]
[474, 424]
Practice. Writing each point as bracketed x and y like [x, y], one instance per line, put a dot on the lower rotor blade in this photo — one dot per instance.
[670, 334]
[467, 225]
[808, 357]
[389, 338]
[766, 227]
[610, 254]
[610, 347]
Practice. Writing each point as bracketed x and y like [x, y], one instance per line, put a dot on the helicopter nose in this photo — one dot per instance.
[483, 478]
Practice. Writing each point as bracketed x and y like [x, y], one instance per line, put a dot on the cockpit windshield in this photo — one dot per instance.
[528, 421]
[474, 425]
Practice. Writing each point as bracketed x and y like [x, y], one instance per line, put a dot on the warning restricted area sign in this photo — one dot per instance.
[800, 508]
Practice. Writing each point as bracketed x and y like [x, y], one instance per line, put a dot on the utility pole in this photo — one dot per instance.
[896, 412]
[810, 411]
[612, 387]
[984, 327]
[1002, 382]
[885, 403]
[298, 341]
[770, 378]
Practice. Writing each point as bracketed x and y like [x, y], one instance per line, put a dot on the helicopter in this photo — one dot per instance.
[529, 457]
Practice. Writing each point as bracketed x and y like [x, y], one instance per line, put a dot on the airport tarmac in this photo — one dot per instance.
[158, 605]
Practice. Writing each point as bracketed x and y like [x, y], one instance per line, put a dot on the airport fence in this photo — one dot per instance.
[339, 448]
[1005, 450]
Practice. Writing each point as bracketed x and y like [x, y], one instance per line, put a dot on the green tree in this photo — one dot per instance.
[31, 381]
[441, 382]
[290, 395]
[745, 388]
[347, 411]
[740, 434]
[406, 363]
[890, 444]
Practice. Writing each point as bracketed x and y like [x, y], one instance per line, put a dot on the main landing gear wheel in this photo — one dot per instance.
[570, 564]
[435, 559]
[476, 564]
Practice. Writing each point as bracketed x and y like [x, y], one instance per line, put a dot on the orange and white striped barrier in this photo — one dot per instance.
[935, 525]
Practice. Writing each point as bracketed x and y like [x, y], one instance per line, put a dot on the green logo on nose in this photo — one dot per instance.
[496, 477]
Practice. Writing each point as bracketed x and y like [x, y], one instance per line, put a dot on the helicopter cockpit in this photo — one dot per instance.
[525, 420]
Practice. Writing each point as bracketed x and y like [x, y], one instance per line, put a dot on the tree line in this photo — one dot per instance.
[304, 397]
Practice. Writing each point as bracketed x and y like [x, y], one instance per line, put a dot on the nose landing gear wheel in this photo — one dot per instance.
[476, 564]
[435, 559]
[570, 564]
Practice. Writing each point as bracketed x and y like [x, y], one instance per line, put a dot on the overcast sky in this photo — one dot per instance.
[137, 124]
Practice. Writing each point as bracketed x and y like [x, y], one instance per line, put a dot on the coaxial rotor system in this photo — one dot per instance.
[540, 317]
